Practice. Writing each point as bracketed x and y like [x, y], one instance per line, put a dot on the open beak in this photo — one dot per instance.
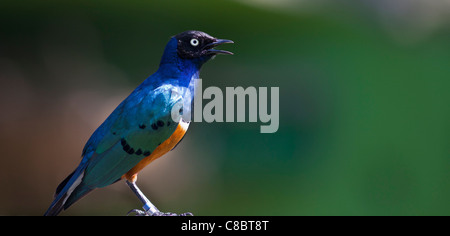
[210, 47]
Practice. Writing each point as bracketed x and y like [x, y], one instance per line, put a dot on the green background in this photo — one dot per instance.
[364, 105]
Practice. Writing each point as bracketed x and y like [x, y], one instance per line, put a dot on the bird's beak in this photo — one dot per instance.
[210, 47]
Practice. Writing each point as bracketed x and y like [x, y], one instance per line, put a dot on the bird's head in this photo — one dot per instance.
[199, 45]
[187, 52]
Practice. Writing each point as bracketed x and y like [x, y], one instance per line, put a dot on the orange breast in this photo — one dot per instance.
[162, 149]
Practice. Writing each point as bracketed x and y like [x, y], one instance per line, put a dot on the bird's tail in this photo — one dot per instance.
[68, 192]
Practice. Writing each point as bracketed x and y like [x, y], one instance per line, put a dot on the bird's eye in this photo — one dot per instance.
[194, 42]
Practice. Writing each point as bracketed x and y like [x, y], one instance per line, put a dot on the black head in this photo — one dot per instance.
[196, 44]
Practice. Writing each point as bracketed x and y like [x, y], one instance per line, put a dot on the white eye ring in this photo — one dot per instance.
[194, 42]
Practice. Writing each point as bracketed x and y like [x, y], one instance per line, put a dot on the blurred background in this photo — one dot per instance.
[364, 105]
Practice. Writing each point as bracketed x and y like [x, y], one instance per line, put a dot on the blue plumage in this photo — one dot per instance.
[141, 122]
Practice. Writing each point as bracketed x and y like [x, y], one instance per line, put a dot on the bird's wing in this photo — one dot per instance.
[137, 126]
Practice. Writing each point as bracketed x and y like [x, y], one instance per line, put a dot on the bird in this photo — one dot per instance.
[147, 124]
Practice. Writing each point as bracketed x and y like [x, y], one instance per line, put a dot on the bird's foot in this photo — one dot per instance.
[138, 212]
[171, 214]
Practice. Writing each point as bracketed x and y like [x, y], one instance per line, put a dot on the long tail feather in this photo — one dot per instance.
[68, 187]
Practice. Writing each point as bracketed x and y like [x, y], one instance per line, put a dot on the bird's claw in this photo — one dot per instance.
[138, 212]
[171, 214]
[186, 214]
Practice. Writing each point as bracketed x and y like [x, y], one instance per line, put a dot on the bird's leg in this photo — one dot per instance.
[150, 209]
